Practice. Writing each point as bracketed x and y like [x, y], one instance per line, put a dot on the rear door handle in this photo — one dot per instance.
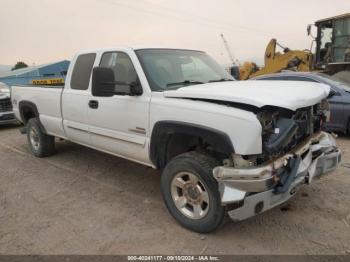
[93, 104]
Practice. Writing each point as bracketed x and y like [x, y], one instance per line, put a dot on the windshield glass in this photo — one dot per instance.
[335, 82]
[171, 69]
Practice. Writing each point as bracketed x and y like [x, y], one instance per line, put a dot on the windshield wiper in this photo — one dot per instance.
[185, 83]
[220, 80]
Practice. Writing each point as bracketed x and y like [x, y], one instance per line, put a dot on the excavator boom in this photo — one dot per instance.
[276, 62]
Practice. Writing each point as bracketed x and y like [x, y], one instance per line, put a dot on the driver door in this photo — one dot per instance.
[119, 124]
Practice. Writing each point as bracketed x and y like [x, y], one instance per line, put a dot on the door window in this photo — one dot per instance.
[124, 71]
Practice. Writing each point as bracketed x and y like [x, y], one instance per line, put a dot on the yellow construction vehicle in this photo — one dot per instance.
[332, 54]
[276, 61]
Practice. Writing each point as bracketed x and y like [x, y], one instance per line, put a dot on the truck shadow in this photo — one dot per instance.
[9, 126]
[108, 169]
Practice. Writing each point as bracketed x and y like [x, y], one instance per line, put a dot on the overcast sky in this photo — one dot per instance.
[42, 31]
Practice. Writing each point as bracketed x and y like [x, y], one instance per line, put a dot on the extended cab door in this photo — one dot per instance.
[119, 124]
[75, 98]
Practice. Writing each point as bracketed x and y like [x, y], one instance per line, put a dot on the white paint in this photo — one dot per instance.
[287, 94]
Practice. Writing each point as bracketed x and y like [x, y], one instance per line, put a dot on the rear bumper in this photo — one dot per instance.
[258, 189]
[7, 118]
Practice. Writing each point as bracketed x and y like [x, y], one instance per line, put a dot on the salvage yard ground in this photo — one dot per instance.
[81, 201]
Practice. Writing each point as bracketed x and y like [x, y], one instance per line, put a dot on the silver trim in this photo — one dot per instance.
[138, 130]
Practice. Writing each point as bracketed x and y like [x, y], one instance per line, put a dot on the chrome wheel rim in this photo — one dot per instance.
[34, 138]
[190, 196]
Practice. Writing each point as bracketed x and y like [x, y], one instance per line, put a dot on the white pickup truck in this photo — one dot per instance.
[223, 146]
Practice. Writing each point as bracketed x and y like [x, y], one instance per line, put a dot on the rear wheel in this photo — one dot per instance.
[191, 192]
[41, 145]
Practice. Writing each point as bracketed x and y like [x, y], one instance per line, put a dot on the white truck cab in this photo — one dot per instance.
[222, 145]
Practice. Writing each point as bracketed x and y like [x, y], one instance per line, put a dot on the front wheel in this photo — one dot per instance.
[191, 192]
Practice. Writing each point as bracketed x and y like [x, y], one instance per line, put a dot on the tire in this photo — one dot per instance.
[196, 206]
[40, 144]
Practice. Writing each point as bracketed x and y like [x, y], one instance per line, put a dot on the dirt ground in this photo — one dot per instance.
[81, 201]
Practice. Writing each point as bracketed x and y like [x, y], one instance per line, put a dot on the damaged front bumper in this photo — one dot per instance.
[253, 190]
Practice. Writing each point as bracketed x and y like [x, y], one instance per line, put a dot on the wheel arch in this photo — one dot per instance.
[171, 138]
[28, 110]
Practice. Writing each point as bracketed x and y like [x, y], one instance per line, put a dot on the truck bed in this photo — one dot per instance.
[47, 100]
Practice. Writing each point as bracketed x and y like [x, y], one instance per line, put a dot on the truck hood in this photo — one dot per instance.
[286, 94]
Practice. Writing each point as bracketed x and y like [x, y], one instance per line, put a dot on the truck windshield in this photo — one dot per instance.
[167, 69]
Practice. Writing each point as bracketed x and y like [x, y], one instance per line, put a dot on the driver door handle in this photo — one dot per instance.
[93, 104]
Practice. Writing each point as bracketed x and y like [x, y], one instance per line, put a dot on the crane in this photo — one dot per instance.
[234, 62]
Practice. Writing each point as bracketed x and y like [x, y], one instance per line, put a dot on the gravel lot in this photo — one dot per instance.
[81, 201]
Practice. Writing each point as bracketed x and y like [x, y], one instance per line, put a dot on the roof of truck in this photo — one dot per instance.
[138, 47]
[133, 47]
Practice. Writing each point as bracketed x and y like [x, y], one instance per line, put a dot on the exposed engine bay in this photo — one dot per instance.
[283, 129]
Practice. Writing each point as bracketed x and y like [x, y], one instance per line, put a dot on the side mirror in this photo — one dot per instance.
[103, 82]
[136, 89]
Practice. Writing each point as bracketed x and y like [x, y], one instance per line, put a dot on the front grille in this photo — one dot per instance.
[5, 105]
[308, 121]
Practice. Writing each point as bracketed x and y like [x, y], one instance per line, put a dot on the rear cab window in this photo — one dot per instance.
[82, 71]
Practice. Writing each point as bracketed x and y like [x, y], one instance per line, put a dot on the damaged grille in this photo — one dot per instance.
[5, 105]
[284, 129]
[309, 121]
